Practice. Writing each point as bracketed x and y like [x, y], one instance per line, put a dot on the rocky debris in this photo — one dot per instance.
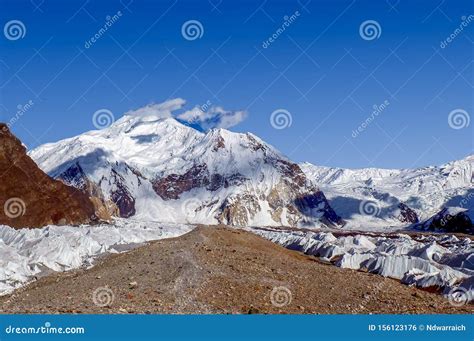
[426, 261]
[30, 198]
[223, 271]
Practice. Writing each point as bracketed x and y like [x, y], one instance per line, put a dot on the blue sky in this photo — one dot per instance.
[319, 70]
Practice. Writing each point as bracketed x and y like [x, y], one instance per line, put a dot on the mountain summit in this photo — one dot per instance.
[155, 168]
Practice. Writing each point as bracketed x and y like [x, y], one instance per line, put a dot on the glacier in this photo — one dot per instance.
[26, 254]
[434, 262]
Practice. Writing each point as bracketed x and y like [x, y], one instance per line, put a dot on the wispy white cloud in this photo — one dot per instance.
[160, 110]
[206, 117]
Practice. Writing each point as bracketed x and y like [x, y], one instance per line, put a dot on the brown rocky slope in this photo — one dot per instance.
[30, 198]
[220, 270]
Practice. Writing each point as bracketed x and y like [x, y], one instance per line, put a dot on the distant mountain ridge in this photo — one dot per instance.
[426, 191]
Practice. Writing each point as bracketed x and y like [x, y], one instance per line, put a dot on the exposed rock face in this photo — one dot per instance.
[76, 177]
[30, 198]
[173, 185]
[237, 210]
[121, 196]
[406, 214]
[449, 219]
[318, 202]
[118, 200]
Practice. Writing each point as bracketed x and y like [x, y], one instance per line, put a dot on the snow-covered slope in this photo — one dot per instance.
[158, 169]
[379, 197]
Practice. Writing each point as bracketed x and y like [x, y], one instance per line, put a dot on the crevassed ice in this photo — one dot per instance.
[440, 261]
[27, 253]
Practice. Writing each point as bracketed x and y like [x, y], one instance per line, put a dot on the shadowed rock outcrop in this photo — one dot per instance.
[449, 219]
[30, 198]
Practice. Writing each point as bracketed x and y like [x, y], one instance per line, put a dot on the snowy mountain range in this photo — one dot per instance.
[156, 168]
[161, 176]
[153, 167]
[374, 197]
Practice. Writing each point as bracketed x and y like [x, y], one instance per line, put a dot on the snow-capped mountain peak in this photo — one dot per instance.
[157, 168]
